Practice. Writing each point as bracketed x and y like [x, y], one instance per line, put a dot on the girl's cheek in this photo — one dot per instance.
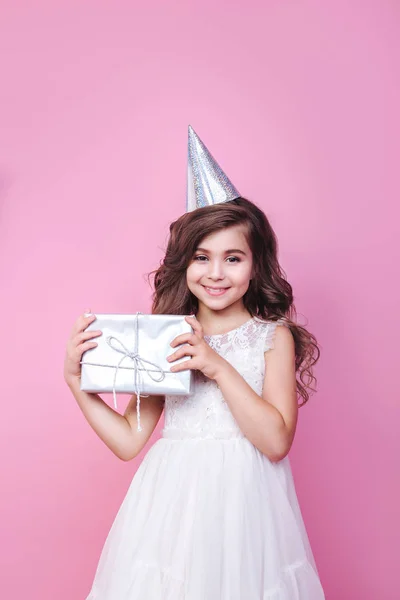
[193, 271]
[244, 272]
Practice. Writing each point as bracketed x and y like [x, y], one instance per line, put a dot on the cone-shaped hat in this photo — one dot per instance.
[206, 181]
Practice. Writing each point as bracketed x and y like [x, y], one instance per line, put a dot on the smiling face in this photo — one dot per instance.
[220, 270]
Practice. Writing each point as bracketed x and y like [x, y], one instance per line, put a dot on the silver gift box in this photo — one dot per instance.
[131, 356]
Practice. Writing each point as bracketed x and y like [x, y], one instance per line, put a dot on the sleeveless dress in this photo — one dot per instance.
[207, 516]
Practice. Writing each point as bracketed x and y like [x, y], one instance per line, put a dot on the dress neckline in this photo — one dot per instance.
[216, 335]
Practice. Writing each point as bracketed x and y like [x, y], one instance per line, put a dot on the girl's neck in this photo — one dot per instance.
[216, 322]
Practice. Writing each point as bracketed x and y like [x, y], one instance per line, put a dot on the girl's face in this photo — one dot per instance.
[220, 270]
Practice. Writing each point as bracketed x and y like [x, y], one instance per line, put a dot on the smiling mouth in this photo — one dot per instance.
[215, 291]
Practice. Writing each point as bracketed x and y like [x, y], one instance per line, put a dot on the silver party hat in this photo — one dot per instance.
[206, 182]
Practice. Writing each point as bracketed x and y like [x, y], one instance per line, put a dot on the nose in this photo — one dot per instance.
[215, 270]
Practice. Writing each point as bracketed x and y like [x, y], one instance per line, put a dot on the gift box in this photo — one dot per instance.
[131, 356]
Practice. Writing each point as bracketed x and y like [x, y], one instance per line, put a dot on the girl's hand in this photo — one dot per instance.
[77, 344]
[204, 358]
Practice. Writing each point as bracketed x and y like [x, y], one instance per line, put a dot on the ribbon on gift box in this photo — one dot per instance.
[138, 362]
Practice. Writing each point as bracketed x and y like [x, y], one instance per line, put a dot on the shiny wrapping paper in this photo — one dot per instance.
[131, 356]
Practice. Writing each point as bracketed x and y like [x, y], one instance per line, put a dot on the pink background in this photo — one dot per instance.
[298, 101]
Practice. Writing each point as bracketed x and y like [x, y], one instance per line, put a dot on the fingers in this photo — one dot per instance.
[84, 340]
[185, 350]
[198, 329]
[191, 338]
[184, 366]
[87, 335]
[81, 340]
[184, 338]
[81, 348]
[82, 322]
[78, 342]
[85, 320]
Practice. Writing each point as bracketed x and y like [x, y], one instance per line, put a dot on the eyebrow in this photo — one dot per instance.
[232, 251]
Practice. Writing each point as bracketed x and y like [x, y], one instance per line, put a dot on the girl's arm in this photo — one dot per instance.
[268, 421]
[118, 431]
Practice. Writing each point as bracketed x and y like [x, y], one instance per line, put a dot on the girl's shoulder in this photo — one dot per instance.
[267, 329]
[271, 323]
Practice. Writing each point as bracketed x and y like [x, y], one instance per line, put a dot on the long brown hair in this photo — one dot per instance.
[269, 295]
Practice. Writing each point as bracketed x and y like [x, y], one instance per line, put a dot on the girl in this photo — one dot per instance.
[212, 511]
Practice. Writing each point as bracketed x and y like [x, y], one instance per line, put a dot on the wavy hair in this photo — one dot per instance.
[269, 295]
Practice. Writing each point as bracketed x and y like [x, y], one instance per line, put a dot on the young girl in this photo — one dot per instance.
[212, 511]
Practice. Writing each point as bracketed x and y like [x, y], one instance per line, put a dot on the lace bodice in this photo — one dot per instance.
[204, 412]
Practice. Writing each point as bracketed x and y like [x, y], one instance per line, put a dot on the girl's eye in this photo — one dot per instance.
[201, 256]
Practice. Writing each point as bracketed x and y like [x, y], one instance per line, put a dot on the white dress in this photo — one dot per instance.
[207, 516]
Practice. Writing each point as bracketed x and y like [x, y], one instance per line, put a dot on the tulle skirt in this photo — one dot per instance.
[208, 519]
